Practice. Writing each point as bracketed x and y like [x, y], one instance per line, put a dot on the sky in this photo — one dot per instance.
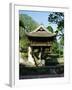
[41, 17]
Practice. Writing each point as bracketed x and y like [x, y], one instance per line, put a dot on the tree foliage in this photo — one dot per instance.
[26, 23]
[50, 29]
[58, 19]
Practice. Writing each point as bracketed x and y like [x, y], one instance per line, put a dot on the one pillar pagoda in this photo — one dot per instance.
[40, 44]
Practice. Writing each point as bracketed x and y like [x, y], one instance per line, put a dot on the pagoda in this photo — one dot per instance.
[40, 45]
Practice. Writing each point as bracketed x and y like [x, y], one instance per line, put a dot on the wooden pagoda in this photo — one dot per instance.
[40, 42]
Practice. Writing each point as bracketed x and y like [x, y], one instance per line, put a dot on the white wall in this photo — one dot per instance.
[4, 42]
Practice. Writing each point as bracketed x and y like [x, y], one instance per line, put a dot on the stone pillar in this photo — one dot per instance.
[43, 62]
[30, 58]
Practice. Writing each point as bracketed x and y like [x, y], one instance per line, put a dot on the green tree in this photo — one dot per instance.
[58, 18]
[55, 48]
[26, 23]
[50, 29]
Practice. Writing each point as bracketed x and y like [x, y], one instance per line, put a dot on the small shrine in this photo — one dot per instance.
[40, 45]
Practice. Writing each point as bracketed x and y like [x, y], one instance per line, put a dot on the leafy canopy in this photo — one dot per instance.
[26, 23]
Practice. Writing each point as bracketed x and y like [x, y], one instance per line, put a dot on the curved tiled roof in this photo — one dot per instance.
[41, 31]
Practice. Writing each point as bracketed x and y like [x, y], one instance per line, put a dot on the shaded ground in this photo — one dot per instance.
[40, 72]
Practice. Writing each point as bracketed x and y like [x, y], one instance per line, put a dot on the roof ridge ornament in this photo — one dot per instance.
[41, 33]
[40, 27]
